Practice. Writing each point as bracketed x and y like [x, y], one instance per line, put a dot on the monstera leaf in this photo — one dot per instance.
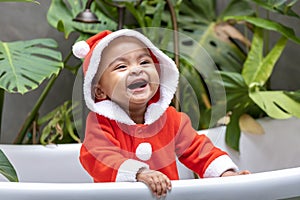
[276, 104]
[7, 169]
[213, 33]
[61, 14]
[25, 64]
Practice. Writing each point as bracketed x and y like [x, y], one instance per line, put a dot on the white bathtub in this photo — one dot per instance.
[54, 172]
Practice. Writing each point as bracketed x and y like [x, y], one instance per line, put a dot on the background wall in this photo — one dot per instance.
[25, 21]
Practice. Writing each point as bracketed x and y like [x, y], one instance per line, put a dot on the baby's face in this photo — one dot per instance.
[129, 76]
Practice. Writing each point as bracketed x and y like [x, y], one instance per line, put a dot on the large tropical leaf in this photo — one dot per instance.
[268, 25]
[276, 104]
[293, 94]
[7, 169]
[237, 8]
[233, 131]
[257, 68]
[193, 95]
[236, 90]
[25, 64]
[199, 13]
[238, 103]
[61, 14]
[283, 7]
[147, 14]
[216, 40]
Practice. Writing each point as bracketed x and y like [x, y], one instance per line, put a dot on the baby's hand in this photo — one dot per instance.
[233, 173]
[155, 180]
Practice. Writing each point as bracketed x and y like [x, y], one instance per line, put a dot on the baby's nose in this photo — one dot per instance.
[136, 70]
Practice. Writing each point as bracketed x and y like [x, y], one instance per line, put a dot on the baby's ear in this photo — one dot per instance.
[99, 93]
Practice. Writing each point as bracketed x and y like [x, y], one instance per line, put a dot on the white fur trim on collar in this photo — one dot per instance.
[168, 81]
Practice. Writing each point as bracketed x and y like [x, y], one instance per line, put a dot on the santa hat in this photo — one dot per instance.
[91, 50]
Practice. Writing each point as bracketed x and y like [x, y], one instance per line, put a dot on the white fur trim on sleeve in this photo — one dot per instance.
[128, 169]
[219, 166]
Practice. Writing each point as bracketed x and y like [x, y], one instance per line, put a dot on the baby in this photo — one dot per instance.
[132, 134]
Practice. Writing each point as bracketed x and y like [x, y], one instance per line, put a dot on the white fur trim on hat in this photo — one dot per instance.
[169, 76]
[144, 151]
[81, 49]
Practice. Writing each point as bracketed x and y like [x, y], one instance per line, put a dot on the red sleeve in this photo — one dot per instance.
[101, 154]
[195, 151]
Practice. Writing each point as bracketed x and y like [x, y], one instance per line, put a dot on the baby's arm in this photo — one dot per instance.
[155, 180]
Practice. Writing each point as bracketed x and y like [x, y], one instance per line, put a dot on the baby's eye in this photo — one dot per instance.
[144, 62]
[120, 67]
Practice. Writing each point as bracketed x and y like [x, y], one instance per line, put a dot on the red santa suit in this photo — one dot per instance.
[115, 147]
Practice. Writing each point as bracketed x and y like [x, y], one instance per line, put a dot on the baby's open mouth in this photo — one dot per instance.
[138, 84]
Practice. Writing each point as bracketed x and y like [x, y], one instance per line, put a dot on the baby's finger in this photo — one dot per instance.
[163, 186]
[151, 185]
[169, 184]
[244, 172]
[158, 187]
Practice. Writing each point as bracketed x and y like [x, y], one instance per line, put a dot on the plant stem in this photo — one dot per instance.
[176, 45]
[32, 115]
[2, 93]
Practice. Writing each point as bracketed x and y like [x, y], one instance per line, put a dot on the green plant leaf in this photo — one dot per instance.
[237, 8]
[7, 169]
[25, 64]
[276, 104]
[258, 69]
[58, 125]
[236, 90]
[293, 94]
[201, 13]
[61, 14]
[215, 39]
[233, 131]
[268, 25]
[283, 7]
[193, 96]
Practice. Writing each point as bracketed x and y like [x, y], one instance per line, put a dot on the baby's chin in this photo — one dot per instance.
[141, 98]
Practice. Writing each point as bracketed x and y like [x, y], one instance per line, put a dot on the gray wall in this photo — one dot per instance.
[24, 21]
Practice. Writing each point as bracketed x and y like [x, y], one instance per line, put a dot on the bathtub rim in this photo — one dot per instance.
[277, 184]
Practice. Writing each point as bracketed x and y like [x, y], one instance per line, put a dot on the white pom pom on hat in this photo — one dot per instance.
[84, 49]
[80, 49]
